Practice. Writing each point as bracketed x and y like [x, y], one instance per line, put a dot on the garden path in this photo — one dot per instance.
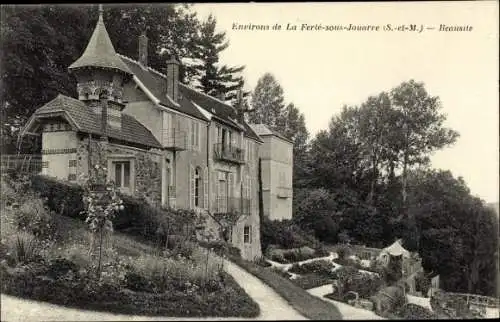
[286, 267]
[272, 306]
[348, 312]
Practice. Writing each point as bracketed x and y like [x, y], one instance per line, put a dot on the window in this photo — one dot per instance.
[195, 135]
[72, 177]
[247, 234]
[121, 173]
[72, 163]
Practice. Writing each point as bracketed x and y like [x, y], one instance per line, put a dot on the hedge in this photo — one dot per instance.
[137, 218]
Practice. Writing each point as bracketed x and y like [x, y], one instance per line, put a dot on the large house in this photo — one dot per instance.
[276, 157]
[156, 137]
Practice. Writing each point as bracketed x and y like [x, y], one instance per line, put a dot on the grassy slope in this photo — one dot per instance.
[75, 230]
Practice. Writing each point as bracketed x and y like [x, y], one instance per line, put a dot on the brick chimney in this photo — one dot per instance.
[143, 49]
[173, 79]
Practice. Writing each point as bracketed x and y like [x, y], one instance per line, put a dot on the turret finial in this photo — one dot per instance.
[100, 11]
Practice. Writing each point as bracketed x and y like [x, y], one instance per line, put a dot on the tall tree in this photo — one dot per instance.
[215, 79]
[459, 234]
[40, 42]
[374, 128]
[267, 101]
[418, 126]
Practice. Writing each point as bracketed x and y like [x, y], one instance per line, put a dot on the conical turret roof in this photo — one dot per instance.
[100, 51]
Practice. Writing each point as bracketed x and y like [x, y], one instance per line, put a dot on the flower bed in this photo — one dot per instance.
[311, 280]
[80, 290]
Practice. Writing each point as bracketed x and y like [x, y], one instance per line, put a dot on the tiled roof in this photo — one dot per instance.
[156, 83]
[263, 130]
[87, 121]
[100, 51]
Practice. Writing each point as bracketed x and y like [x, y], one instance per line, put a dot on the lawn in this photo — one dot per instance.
[305, 303]
[45, 256]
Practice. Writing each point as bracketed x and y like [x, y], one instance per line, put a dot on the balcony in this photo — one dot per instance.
[231, 204]
[224, 152]
[175, 140]
[284, 192]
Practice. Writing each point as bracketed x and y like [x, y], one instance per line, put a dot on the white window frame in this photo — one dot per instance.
[111, 172]
[247, 234]
[195, 135]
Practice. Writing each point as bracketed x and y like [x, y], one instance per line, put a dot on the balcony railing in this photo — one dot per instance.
[229, 153]
[284, 192]
[232, 204]
[175, 140]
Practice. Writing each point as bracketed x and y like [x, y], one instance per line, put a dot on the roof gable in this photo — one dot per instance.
[87, 121]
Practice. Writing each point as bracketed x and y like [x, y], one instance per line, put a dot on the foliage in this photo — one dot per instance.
[311, 280]
[261, 261]
[291, 255]
[23, 248]
[317, 213]
[213, 79]
[284, 234]
[348, 278]
[33, 216]
[412, 311]
[319, 267]
[61, 197]
[102, 203]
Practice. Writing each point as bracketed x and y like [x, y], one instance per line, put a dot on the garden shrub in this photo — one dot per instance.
[261, 261]
[138, 218]
[412, 311]
[312, 280]
[23, 248]
[60, 267]
[34, 217]
[284, 234]
[349, 278]
[62, 197]
[319, 267]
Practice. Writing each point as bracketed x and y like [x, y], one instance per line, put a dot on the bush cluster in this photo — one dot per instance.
[285, 256]
[138, 218]
[312, 280]
[284, 234]
[319, 267]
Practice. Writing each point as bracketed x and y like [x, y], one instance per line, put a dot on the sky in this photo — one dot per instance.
[322, 70]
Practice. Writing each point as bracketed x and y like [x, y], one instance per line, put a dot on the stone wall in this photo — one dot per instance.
[146, 171]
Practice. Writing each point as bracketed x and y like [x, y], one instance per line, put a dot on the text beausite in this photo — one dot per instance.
[339, 27]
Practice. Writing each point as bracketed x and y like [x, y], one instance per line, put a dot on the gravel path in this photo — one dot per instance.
[272, 306]
[348, 312]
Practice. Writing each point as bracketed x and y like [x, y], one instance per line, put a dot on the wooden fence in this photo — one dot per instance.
[23, 163]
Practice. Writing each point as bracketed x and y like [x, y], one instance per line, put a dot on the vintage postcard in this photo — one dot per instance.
[256, 161]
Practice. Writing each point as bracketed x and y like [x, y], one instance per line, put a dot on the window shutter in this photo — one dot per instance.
[249, 191]
[205, 188]
[230, 185]
[191, 187]
[214, 180]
